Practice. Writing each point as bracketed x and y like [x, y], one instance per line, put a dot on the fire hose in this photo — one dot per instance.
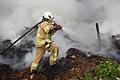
[58, 27]
[19, 39]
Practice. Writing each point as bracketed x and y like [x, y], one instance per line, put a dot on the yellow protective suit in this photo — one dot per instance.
[43, 43]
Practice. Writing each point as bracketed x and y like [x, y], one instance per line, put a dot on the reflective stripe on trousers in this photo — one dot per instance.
[34, 66]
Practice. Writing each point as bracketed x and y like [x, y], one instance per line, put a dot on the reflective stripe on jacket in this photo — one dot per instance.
[44, 33]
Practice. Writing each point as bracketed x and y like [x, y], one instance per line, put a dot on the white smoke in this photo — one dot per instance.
[111, 24]
[78, 18]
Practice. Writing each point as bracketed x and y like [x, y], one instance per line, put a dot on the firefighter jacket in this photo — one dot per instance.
[44, 33]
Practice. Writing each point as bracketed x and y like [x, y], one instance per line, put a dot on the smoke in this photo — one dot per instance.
[111, 24]
[78, 18]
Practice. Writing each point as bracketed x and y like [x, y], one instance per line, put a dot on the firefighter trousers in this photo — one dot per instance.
[40, 51]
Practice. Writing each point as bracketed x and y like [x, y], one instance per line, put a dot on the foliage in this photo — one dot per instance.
[107, 70]
[89, 76]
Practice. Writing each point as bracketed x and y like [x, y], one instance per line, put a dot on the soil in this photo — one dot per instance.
[72, 67]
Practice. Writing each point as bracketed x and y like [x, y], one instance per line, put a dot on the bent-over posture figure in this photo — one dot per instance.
[46, 29]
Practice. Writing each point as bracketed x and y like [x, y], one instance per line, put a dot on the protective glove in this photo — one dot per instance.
[57, 26]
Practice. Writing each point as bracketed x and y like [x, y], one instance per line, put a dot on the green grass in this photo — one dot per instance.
[106, 70]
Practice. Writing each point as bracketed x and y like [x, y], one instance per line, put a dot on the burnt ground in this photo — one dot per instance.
[72, 67]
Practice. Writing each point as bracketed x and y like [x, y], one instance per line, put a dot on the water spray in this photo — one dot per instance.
[67, 34]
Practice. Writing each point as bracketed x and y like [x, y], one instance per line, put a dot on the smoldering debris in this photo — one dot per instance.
[116, 42]
[66, 68]
[16, 54]
[80, 24]
[73, 66]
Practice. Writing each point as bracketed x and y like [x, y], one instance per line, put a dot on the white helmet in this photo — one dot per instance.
[48, 15]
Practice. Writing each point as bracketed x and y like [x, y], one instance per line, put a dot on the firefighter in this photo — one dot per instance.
[46, 30]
